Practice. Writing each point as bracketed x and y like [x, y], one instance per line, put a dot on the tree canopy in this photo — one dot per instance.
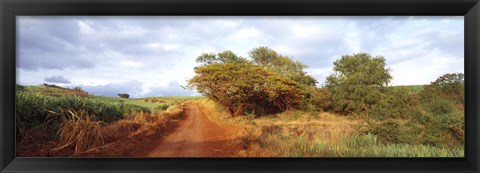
[245, 86]
[222, 57]
[358, 82]
[449, 86]
[283, 65]
[266, 83]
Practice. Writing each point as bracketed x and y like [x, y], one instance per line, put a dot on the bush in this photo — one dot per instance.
[316, 99]
[387, 131]
[392, 104]
[440, 107]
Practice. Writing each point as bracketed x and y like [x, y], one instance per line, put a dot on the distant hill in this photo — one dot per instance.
[54, 90]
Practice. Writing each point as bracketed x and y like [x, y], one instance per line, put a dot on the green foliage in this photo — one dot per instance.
[393, 103]
[440, 107]
[282, 65]
[272, 81]
[415, 88]
[222, 57]
[162, 107]
[359, 81]
[33, 109]
[316, 99]
[421, 129]
[449, 86]
[137, 103]
[364, 145]
[357, 141]
[246, 86]
[387, 131]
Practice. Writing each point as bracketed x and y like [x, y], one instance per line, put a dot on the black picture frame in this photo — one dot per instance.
[470, 9]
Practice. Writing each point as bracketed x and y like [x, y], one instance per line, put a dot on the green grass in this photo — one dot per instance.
[412, 88]
[34, 104]
[41, 107]
[35, 107]
[153, 107]
[366, 145]
[53, 90]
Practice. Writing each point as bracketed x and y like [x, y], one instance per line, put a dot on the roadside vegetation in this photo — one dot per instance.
[56, 121]
[355, 113]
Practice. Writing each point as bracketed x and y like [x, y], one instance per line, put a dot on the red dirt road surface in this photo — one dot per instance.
[196, 136]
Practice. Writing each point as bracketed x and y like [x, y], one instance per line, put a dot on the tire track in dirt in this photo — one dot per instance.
[196, 136]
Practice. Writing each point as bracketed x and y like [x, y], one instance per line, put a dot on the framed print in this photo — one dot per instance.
[262, 86]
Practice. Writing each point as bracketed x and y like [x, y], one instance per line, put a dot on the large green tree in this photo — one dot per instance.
[283, 65]
[245, 86]
[358, 83]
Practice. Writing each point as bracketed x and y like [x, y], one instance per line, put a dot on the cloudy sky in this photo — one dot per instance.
[154, 56]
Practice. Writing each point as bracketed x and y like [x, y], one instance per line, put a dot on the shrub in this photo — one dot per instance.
[440, 107]
[387, 131]
[316, 99]
[392, 104]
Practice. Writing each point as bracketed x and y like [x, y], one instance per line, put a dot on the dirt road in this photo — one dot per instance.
[196, 136]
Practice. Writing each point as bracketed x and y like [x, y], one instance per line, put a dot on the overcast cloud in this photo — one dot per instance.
[154, 56]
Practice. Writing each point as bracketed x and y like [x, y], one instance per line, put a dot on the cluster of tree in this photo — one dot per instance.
[360, 85]
[268, 82]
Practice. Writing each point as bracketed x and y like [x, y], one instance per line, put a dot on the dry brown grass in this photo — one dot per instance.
[138, 131]
[81, 134]
[276, 135]
[79, 131]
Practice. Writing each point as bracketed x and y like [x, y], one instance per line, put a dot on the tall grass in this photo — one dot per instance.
[32, 110]
[78, 130]
[365, 145]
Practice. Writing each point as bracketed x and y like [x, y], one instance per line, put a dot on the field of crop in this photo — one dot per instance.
[51, 113]
[153, 107]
